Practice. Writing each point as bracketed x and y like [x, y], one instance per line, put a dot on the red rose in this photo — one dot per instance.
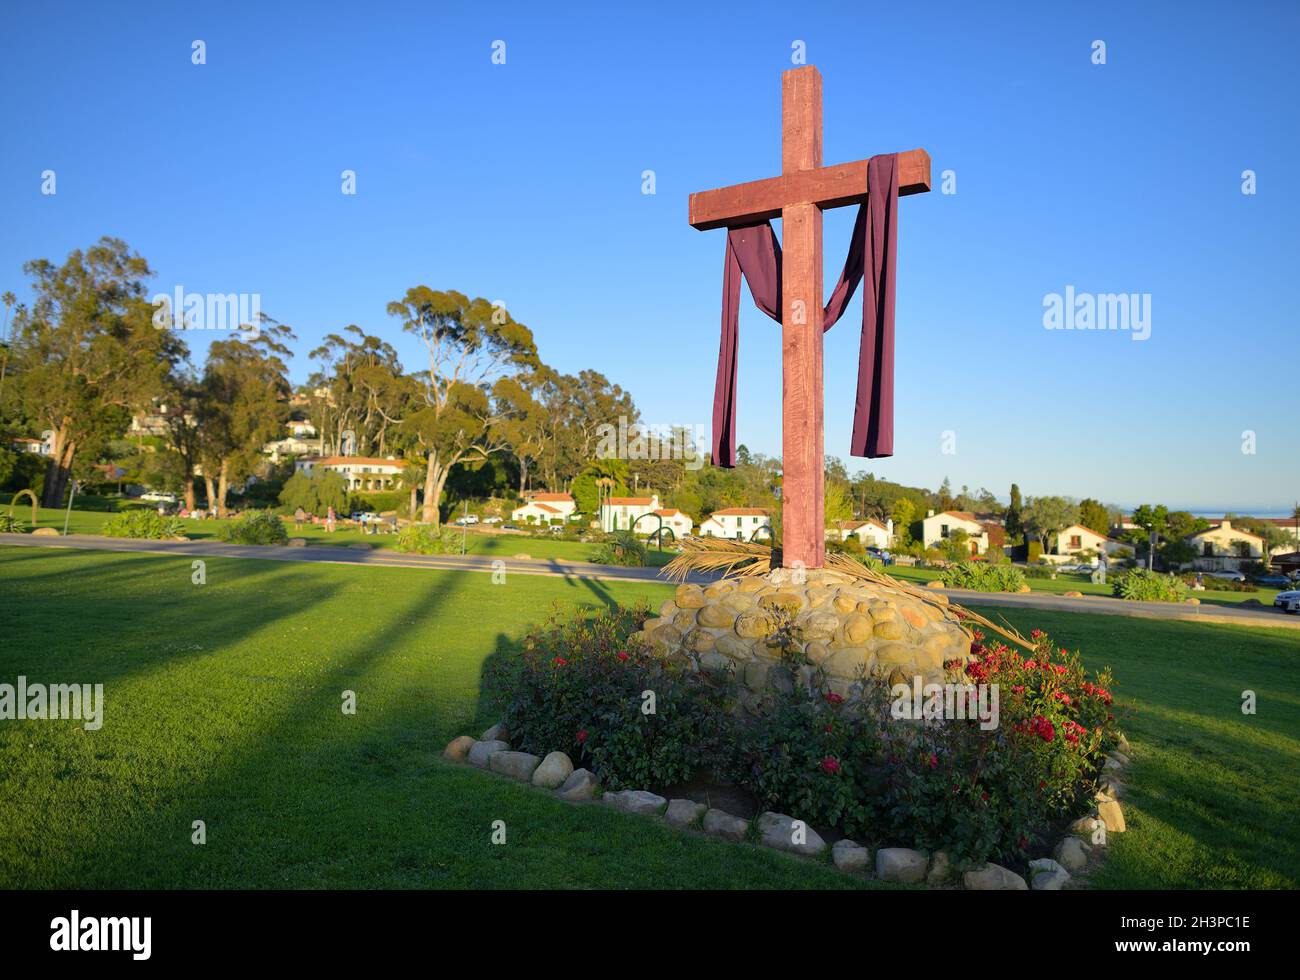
[833, 698]
[581, 736]
[831, 764]
[934, 760]
[622, 655]
[560, 662]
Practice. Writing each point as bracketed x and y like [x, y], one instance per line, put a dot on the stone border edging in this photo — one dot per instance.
[556, 774]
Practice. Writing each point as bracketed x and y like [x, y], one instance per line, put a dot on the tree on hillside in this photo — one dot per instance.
[315, 492]
[364, 389]
[1094, 515]
[1014, 521]
[182, 396]
[1044, 516]
[243, 405]
[837, 501]
[87, 353]
[471, 345]
[904, 514]
[525, 424]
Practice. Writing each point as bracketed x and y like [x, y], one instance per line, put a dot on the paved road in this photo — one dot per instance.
[1236, 615]
[341, 555]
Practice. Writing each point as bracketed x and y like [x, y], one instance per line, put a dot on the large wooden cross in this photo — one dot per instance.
[798, 197]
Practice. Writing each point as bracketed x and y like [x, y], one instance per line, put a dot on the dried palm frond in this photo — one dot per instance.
[719, 555]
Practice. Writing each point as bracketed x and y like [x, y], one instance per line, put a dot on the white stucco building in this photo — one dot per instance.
[360, 472]
[741, 523]
[544, 508]
[1225, 548]
[622, 513]
[1076, 538]
[938, 528]
[871, 533]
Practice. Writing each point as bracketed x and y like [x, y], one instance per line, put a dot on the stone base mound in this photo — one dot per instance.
[815, 628]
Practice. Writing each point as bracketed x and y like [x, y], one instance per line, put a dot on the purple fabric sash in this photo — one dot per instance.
[754, 254]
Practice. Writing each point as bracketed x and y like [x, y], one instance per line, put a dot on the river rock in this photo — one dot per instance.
[683, 813]
[635, 801]
[901, 864]
[516, 765]
[1047, 876]
[850, 856]
[580, 786]
[553, 771]
[1071, 854]
[480, 752]
[719, 823]
[783, 833]
[993, 878]
[458, 748]
[1112, 816]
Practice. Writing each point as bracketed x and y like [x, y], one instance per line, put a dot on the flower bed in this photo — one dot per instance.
[974, 792]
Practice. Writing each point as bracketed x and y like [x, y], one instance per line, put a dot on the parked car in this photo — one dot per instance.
[158, 497]
[1230, 576]
[1275, 579]
[491, 520]
[509, 527]
[1288, 601]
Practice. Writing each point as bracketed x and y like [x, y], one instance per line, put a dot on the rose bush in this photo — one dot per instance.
[952, 785]
[634, 719]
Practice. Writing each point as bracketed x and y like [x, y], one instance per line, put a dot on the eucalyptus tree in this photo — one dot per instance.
[243, 404]
[471, 345]
[87, 352]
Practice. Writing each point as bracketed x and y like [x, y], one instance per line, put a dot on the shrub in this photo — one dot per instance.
[624, 548]
[255, 527]
[1221, 584]
[578, 688]
[425, 539]
[979, 794]
[379, 501]
[983, 577]
[11, 525]
[805, 754]
[1141, 585]
[1034, 550]
[1040, 571]
[141, 523]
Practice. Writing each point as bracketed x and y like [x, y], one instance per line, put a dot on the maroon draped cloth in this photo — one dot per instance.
[754, 254]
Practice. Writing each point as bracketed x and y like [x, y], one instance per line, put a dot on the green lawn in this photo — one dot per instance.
[494, 545]
[223, 704]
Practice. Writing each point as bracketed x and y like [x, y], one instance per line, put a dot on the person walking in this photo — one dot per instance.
[1102, 562]
[329, 520]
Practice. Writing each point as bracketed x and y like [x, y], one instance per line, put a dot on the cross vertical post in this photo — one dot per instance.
[798, 196]
[803, 478]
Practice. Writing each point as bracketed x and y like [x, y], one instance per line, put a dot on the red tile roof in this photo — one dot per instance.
[359, 461]
[739, 512]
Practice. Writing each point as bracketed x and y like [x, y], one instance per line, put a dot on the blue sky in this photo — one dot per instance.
[522, 182]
